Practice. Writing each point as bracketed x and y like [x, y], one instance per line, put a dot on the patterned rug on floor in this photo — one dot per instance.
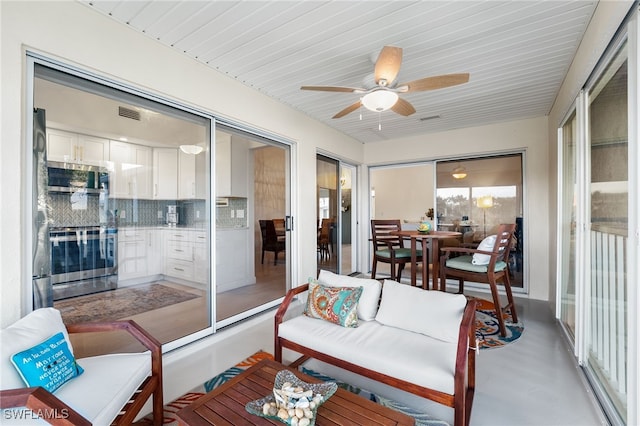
[173, 407]
[120, 303]
[487, 329]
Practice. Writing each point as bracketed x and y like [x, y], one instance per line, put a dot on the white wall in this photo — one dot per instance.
[75, 34]
[404, 193]
[524, 135]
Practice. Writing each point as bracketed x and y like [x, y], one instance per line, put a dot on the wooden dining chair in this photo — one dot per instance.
[324, 239]
[488, 265]
[270, 240]
[389, 248]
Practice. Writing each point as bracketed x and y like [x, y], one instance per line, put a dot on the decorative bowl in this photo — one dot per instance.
[284, 377]
[424, 227]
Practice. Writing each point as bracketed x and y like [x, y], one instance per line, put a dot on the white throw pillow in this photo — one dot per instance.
[430, 312]
[486, 245]
[368, 303]
[25, 333]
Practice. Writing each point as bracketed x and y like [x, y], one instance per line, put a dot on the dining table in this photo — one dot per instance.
[435, 237]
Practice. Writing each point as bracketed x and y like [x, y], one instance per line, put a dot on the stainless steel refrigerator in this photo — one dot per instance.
[42, 291]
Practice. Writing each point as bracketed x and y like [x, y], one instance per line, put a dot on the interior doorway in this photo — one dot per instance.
[336, 217]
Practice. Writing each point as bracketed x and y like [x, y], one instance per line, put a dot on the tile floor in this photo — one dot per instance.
[531, 382]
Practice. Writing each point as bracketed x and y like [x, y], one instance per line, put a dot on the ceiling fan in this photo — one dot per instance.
[383, 94]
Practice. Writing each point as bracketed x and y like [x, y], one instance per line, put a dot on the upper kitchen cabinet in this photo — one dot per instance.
[232, 165]
[76, 148]
[131, 177]
[165, 173]
[191, 176]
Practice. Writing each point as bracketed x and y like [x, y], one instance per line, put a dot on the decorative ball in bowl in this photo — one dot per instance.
[293, 401]
[424, 227]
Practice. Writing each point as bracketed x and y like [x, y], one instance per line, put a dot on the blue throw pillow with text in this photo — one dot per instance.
[49, 364]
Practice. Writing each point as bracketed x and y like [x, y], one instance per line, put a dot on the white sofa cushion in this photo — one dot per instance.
[430, 312]
[25, 333]
[398, 353]
[368, 303]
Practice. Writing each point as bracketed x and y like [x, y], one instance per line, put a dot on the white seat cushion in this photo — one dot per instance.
[406, 355]
[107, 383]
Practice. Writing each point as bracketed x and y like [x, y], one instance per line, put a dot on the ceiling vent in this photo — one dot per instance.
[129, 113]
[431, 117]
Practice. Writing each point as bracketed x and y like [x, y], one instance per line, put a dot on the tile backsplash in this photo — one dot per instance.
[124, 212]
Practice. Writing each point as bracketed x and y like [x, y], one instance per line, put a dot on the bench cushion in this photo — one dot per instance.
[402, 354]
[430, 312]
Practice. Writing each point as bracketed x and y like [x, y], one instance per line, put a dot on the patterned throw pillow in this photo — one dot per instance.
[334, 304]
[49, 364]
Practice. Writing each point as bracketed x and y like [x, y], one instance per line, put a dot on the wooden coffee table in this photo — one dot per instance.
[225, 404]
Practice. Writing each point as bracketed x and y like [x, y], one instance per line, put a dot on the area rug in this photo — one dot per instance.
[172, 408]
[488, 330]
[120, 303]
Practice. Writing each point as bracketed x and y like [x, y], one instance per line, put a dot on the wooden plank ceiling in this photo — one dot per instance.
[517, 53]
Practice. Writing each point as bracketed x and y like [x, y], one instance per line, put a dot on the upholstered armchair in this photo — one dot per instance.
[100, 390]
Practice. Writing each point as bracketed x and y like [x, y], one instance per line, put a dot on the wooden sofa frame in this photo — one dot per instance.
[38, 399]
[464, 380]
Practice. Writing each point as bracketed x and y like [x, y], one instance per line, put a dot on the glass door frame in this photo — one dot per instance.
[630, 33]
[341, 166]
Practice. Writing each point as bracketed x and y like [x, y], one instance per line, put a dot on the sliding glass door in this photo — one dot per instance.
[253, 223]
[609, 195]
[568, 225]
[594, 261]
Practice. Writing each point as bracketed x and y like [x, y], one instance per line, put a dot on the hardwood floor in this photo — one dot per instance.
[175, 321]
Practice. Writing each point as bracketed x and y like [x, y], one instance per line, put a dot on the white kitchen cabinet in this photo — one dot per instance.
[232, 166]
[232, 262]
[179, 254]
[76, 148]
[131, 177]
[155, 257]
[132, 254]
[186, 175]
[192, 174]
[165, 173]
[200, 257]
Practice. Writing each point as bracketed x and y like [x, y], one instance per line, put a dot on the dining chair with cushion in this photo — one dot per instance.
[389, 248]
[270, 240]
[488, 264]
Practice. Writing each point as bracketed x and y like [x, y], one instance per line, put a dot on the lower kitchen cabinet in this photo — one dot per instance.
[186, 255]
[233, 268]
[132, 254]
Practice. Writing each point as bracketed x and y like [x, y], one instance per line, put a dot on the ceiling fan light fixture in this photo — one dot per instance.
[191, 149]
[379, 100]
[459, 173]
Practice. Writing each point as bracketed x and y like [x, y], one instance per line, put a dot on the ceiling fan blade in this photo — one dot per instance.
[333, 89]
[432, 83]
[403, 107]
[388, 65]
[348, 110]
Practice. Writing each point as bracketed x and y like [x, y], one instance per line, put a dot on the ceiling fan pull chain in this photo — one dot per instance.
[379, 122]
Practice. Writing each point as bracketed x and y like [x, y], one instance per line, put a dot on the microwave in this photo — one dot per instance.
[70, 177]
